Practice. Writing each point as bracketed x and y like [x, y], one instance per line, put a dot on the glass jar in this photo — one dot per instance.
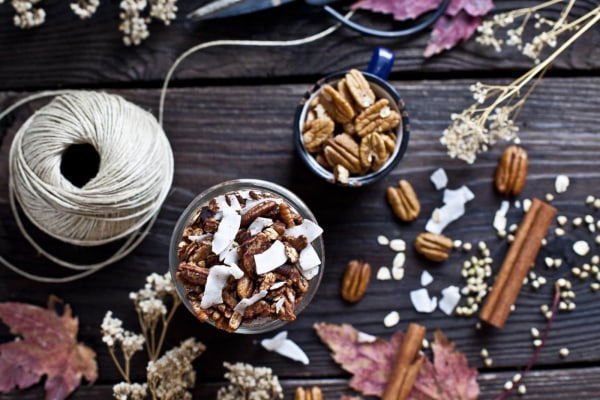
[242, 187]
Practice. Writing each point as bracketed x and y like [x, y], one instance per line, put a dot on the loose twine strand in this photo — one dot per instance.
[135, 174]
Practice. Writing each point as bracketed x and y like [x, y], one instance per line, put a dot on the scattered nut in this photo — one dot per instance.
[435, 247]
[313, 393]
[404, 201]
[511, 171]
[391, 319]
[355, 280]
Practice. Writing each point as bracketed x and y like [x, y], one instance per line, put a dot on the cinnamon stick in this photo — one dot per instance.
[516, 264]
[406, 364]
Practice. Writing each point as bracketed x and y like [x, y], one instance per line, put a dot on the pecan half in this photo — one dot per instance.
[511, 171]
[313, 393]
[355, 280]
[377, 118]
[316, 132]
[404, 201]
[373, 152]
[343, 150]
[336, 106]
[360, 89]
[435, 247]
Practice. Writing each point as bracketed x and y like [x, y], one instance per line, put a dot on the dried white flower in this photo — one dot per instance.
[171, 375]
[130, 391]
[85, 8]
[250, 383]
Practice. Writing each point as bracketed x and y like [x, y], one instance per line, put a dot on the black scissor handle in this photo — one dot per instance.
[418, 27]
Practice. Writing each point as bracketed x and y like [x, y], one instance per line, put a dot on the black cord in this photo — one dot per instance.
[421, 25]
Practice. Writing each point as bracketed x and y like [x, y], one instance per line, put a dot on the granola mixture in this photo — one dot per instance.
[247, 255]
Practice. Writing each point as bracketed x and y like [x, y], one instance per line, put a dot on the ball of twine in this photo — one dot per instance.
[120, 202]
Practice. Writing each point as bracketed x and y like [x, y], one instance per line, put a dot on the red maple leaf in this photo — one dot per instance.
[46, 345]
[459, 21]
[402, 10]
[448, 31]
[447, 378]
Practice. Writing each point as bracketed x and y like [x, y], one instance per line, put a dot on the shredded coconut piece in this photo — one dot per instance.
[245, 303]
[259, 224]
[439, 178]
[450, 299]
[285, 347]
[228, 228]
[422, 302]
[271, 258]
[307, 228]
[426, 278]
[309, 258]
[500, 217]
[215, 282]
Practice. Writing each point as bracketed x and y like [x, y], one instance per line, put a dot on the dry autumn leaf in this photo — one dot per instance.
[447, 378]
[459, 21]
[46, 344]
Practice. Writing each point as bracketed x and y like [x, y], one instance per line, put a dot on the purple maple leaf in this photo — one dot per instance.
[401, 9]
[448, 31]
[475, 8]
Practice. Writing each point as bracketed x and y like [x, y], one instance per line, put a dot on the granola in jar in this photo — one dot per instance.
[247, 256]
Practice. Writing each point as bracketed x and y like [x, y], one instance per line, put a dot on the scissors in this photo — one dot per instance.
[230, 8]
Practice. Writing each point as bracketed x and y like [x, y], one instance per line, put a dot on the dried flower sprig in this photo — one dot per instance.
[250, 383]
[135, 15]
[169, 376]
[493, 114]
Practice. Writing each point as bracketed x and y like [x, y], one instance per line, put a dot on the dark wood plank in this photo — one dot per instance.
[541, 385]
[67, 52]
[221, 133]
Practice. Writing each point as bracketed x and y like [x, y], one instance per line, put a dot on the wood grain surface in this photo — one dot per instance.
[229, 115]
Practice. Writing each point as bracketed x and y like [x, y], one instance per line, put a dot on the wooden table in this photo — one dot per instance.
[229, 115]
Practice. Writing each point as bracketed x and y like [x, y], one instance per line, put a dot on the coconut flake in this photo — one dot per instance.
[363, 337]
[276, 285]
[215, 282]
[199, 238]
[500, 221]
[279, 305]
[561, 184]
[384, 274]
[271, 258]
[285, 347]
[227, 230]
[310, 273]
[422, 302]
[439, 178]
[307, 228]
[461, 195]
[245, 303]
[426, 278]
[234, 203]
[259, 224]
[230, 255]
[447, 214]
[309, 258]
[450, 299]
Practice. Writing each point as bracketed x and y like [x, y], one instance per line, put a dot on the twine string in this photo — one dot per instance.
[123, 199]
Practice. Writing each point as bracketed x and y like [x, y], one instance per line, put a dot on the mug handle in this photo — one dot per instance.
[381, 63]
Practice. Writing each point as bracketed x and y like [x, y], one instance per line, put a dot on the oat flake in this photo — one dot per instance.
[391, 319]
